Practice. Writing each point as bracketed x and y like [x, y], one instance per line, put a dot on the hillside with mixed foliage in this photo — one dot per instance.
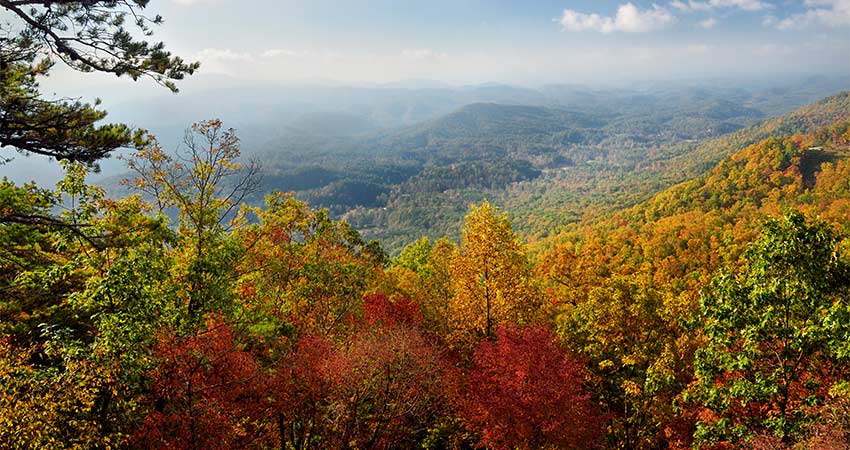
[712, 314]
[666, 262]
[663, 294]
[569, 182]
[388, 179]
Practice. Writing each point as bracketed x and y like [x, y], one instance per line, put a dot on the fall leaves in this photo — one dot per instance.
[305, 336]
[490, 279]
[526, 392]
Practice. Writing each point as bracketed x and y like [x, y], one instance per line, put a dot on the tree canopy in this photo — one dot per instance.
[108, 36]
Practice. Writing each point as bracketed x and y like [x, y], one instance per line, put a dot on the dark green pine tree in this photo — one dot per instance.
[89, 36]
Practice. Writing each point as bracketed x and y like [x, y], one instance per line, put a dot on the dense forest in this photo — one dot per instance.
[694, 297]
[398, 184]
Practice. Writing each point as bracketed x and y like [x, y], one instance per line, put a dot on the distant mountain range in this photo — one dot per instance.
[385, 157]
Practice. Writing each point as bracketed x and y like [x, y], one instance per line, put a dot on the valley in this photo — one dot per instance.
[637, 238]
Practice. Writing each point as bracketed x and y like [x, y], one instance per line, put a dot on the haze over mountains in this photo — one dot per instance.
[389, 156]
[394, 105]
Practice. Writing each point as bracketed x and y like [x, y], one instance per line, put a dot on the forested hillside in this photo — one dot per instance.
[375, 174]
[714, 313]
[571, 181]
[644, 288]
[564, 197]
[705, 255]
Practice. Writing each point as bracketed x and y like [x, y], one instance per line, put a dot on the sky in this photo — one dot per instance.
[528, 42]
[522, 41]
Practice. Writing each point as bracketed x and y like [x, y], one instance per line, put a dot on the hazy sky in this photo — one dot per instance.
[516, 41]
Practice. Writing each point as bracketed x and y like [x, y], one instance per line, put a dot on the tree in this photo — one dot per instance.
[525, 392]
[490, 278]
[422, 272]
[299, 394]
[44, 256]
[303, 269]
[375, 389]
[66, 304]
[27, 247]
[387, 385]
[777, 333]
[62, 129]
[638, 357]
[55, 405]
[84, 300]
[415, 257]
[204, 183]
[204, 392]
[88, 36]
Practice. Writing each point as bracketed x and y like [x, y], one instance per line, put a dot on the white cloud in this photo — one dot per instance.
[708, 23]
[222, 54]
[628, 19]
[223, 60]
[828, 13]
[694, 5]
[748, 5]
[422, 53]
[275, 52]
[690, 5]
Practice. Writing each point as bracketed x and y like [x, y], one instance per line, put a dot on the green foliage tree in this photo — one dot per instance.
[777, 333]
[422, 272]
[204, 183]
[83, 294]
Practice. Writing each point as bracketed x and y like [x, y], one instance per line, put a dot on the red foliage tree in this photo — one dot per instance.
[299, 393]
[204, 393]
[379, 310]
[376, 389]
[524, 392]
[387, 385]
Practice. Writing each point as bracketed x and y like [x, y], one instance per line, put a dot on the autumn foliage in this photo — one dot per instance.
[712, 315]
[525, 392]
[205, 389]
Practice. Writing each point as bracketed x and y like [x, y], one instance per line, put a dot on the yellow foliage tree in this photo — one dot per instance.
[49, 407]
[302, 268]
[490, 279]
